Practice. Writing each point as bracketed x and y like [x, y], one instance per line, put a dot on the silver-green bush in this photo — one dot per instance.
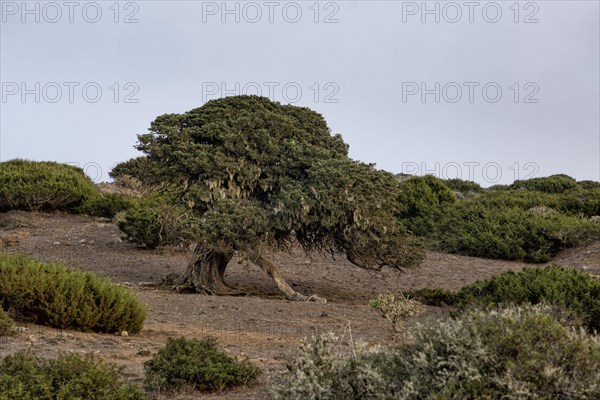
[320, 369]
[517, 352]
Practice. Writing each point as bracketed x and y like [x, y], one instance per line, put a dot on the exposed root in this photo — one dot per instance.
[286, 289]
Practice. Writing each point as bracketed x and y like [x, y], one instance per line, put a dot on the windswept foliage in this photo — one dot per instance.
[255, 175]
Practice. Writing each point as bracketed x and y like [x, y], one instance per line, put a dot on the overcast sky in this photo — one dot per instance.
[486, 91]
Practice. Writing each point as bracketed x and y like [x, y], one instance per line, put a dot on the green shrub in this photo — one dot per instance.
[137, 170]
[68, 377]
[588, 185]
[106, 205]
[498, 188]
[582, 202]
[198, 364]
[577, 201]
[7, 325]
[51, 294]
[566, 287]
[522, 199]
[528, 352]
[423, 199]
[30, 185]
[463, 186]
[551, 184]
[476, 229]
[156, 220]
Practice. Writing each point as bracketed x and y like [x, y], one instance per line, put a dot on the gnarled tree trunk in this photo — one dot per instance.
[205, 273]
[286, 289]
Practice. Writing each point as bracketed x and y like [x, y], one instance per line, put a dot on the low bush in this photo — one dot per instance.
[30, 185]
[551, 184]
[475, 229]
[135, 171]
[323, 369]
[556, 285]
[498, 188]
[522, 199]
[106, 205]
[157, 220]
[7, 325]
[585, 202]
[575, 202]
[511, 353]
[588, 185]
[463, 186]
[26, 377]
[196, 364]
[527, 352]
[423, 199]
[51, 294]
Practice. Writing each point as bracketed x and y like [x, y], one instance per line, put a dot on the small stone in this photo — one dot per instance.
[82, 241]
[56, 243]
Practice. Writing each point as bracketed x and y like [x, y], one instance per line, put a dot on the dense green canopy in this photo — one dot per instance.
[257, 175]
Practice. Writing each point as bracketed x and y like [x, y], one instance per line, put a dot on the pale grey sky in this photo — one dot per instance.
[488, 91]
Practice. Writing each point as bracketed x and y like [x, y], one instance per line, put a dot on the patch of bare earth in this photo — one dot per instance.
[262, 326]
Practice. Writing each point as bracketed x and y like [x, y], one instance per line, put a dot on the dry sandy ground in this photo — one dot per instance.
[263, 326]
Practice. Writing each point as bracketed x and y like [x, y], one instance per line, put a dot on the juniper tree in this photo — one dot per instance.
[257, 176]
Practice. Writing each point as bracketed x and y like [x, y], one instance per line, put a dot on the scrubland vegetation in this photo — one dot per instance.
[529, 221]
[53, 295]
[531, 334]
[528, 335]
[24, 376]
[198, 365]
